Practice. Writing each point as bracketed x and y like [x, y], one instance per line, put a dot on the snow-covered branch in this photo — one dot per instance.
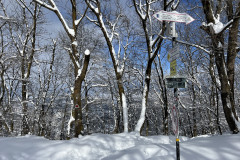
[154, 41]
[55, 9]
[158, 95]
[5, 18]
[175, 5]
[218, 27]
[82, 71]
[72, 56]
[238, 50]
[139, 9]
[104, 30]
[93, 21]
[78, 21]
[113, 27]
[194, 45]
[44, 4]
[95, 8]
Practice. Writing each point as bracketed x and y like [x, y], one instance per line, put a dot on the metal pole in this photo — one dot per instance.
[174, 35]
[177, 134]
[177, 149]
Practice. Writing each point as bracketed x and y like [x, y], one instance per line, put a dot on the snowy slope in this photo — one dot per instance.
[120, 147]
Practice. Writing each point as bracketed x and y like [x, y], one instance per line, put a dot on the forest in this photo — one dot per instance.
[77, 67]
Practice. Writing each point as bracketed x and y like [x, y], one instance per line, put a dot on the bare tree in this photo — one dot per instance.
[79, 70]
[4, 65]
[24, 40]
[216, 30]
[110, 30]
[153, 40]
[163, 88]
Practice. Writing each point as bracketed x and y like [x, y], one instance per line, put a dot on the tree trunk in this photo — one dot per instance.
[25, 126]
[26, 65]
[142, 118]
[77, 102]
[218, 51]
[117, 67]
[225, 88]
[164, 96]
[123, 102]
[79, 70]
[78, 107]
[232, 53]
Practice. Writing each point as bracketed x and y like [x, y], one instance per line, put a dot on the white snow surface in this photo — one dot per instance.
[218, 27]
[75, 43]
[87, 52]
[125, 146]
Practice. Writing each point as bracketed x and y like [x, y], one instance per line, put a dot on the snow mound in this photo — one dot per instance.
[125, 146]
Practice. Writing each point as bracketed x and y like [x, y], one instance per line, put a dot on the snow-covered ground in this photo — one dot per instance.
[120, 147]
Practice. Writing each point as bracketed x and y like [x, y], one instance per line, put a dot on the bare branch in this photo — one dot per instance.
[77, 22]
[52, 8]
[194, 45]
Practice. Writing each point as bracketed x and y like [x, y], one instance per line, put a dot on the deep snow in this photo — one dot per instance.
[120, 147]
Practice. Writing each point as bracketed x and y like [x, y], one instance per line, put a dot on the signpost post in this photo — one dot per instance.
[174, 117]
[173, 70]
[173, 54]
[176, 104]
[175, 124]
[177, 135]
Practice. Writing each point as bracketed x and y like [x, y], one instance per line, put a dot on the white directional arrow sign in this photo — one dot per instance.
[173, 17]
